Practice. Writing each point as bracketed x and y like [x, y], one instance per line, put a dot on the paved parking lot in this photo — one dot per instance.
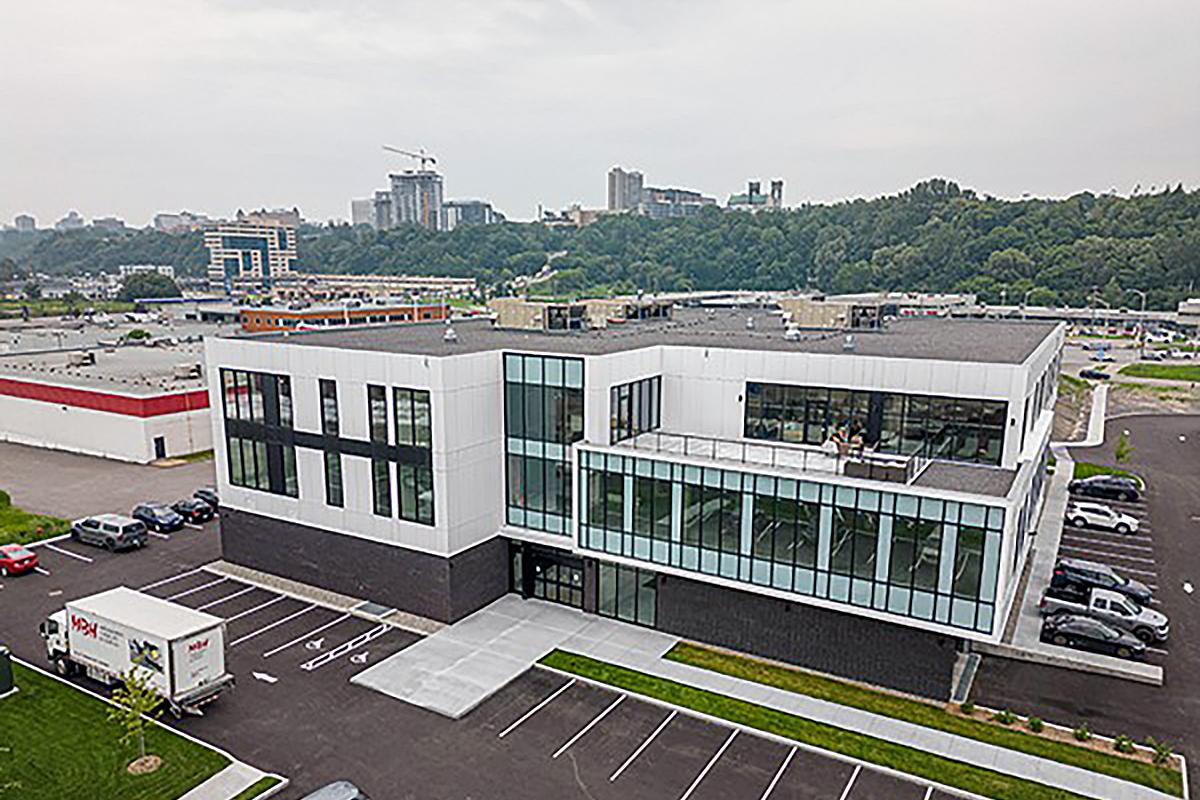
[1167, 455]
[1133, 555]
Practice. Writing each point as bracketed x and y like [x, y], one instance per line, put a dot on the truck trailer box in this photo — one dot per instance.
[182, 649]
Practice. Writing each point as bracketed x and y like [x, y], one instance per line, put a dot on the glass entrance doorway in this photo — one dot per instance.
[546, 574]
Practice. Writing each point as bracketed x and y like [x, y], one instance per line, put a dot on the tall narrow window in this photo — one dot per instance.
[377, 413]
[330, 425]
[333, 479]
[381, 486]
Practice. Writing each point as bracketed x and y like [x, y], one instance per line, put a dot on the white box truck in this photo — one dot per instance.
[106, 634]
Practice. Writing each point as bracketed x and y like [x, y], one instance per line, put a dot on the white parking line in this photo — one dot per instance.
[1106, 553]
[69, 553]
[850, 783]
[194, 526]
[274, 624]
[199, 588]
[345, 647]
[709, 765]
[644, 745]
[1158, 650]
[159, 535]
[536, 708]
[259, 607]
[156, 584]
[787, 760]
[227, 598]
[588, 727]
[302, 637]
[41, 571]
[1101, 543]
[928, 793]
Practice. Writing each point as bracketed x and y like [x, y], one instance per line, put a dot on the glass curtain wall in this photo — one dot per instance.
[955, 429]
[543, 416]
[919, 557]
[634, 408]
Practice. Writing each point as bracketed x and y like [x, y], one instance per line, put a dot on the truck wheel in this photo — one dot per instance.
[1059, 640]
[63, 667]
[1124, 652]
[110, 545]
[1145, 634]
[1122, 529]
[1079, 522]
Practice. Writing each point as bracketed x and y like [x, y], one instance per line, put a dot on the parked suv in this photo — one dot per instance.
[209, 495]
[193, 510]
[1094, 515]
[1109, 487]
[110, 531]
[1075, 573]
[158, 517]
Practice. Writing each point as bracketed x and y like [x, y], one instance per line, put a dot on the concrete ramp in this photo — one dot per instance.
[460, 666]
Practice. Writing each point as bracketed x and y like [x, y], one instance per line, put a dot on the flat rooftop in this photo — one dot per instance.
[969, 340]
[130, 369]
[972, 478]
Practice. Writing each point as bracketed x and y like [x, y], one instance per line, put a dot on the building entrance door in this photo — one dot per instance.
[160, 447]
[547, 574]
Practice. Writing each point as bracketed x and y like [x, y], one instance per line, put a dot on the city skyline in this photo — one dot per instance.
[528, 103]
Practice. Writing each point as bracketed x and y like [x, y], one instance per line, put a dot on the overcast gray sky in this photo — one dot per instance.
[135, 106]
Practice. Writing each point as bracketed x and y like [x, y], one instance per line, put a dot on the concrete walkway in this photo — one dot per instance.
[496, 644]
[226, 784]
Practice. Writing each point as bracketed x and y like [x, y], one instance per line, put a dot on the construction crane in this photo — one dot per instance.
[421, 156]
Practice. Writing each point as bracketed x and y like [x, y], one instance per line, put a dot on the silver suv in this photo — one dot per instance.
[110, 531]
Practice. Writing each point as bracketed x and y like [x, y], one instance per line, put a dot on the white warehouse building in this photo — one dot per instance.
[861, 504]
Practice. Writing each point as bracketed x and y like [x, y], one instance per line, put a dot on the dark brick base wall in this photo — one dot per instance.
[444, 589]
[906, 659]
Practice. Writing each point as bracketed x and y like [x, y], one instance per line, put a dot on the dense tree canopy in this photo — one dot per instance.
[147, 284]
[933, 237]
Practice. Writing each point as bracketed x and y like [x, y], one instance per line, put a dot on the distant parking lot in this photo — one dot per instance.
[70, 485]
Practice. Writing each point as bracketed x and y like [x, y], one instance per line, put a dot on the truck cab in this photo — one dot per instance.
[54, 631]
[1112, 608]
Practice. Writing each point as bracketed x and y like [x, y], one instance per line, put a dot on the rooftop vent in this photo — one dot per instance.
[849, 344]
[449, 335]
[183, 372]
[749, 323]
[792, 333]
[81, 358]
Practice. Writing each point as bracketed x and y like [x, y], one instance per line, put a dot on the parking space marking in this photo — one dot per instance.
[345, 647]
[199, 588]
[1158, 650]
[579, 734]
[302, 637]
[41, 571]
[644, 745]
[779, 774]
[69, 553]
[158, 535]
[1110, 555]
[536, 708]
[218, 601]
[274, 624]
[1101, 543]
[850, 783]
[249, 611]
[928, 793]
[165, 581]
[194, 526]
[709, 765]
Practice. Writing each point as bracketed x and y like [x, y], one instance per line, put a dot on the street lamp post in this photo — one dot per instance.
[1025, 301]
[1141, 323]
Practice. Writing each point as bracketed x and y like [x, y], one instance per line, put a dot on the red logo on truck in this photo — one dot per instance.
[81, 625]
[197, 646]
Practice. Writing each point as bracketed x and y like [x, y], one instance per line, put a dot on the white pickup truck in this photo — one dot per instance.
[1111, 608]
[107, 634]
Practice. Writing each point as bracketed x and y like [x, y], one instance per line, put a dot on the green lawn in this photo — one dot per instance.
[1166, 372]
[56, 742]
[927, 714]
[1085, 469]
[21, 527]
[257, 788]
[867, 748]
[57, 308]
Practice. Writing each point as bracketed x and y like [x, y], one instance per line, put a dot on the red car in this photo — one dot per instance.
[16, 560]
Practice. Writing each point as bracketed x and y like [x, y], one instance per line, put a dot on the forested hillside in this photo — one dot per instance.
[934, 237]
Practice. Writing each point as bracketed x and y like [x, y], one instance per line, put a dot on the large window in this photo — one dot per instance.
[412, 418]
[334, 495]
[413, 496]
[259, 446]
[917, 557]
[626, 593]
[543, 416]
[634, 408]
[890, 422]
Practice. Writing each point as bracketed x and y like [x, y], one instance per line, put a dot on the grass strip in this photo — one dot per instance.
[928, 714]
[57, 742]
[21, 527]
[1167, 372]
[856, 745]
[1086, 469]
[258, 787]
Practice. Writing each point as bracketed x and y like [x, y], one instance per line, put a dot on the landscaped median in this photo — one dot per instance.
[21, 527]
[257, 788]
[900, 758]
[1163, 372]
[57, 742]
[1136, 770]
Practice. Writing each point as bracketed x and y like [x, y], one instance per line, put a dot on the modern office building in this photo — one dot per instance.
[182, 222]
[624, 189]
[259, 319]
[754, 200]
[362, 212]
[859, 502]
[666, 203]
[416, 199]
[250, 253]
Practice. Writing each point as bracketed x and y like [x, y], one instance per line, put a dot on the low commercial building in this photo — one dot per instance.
[857, 503]
[258, 319]
[129, 403]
